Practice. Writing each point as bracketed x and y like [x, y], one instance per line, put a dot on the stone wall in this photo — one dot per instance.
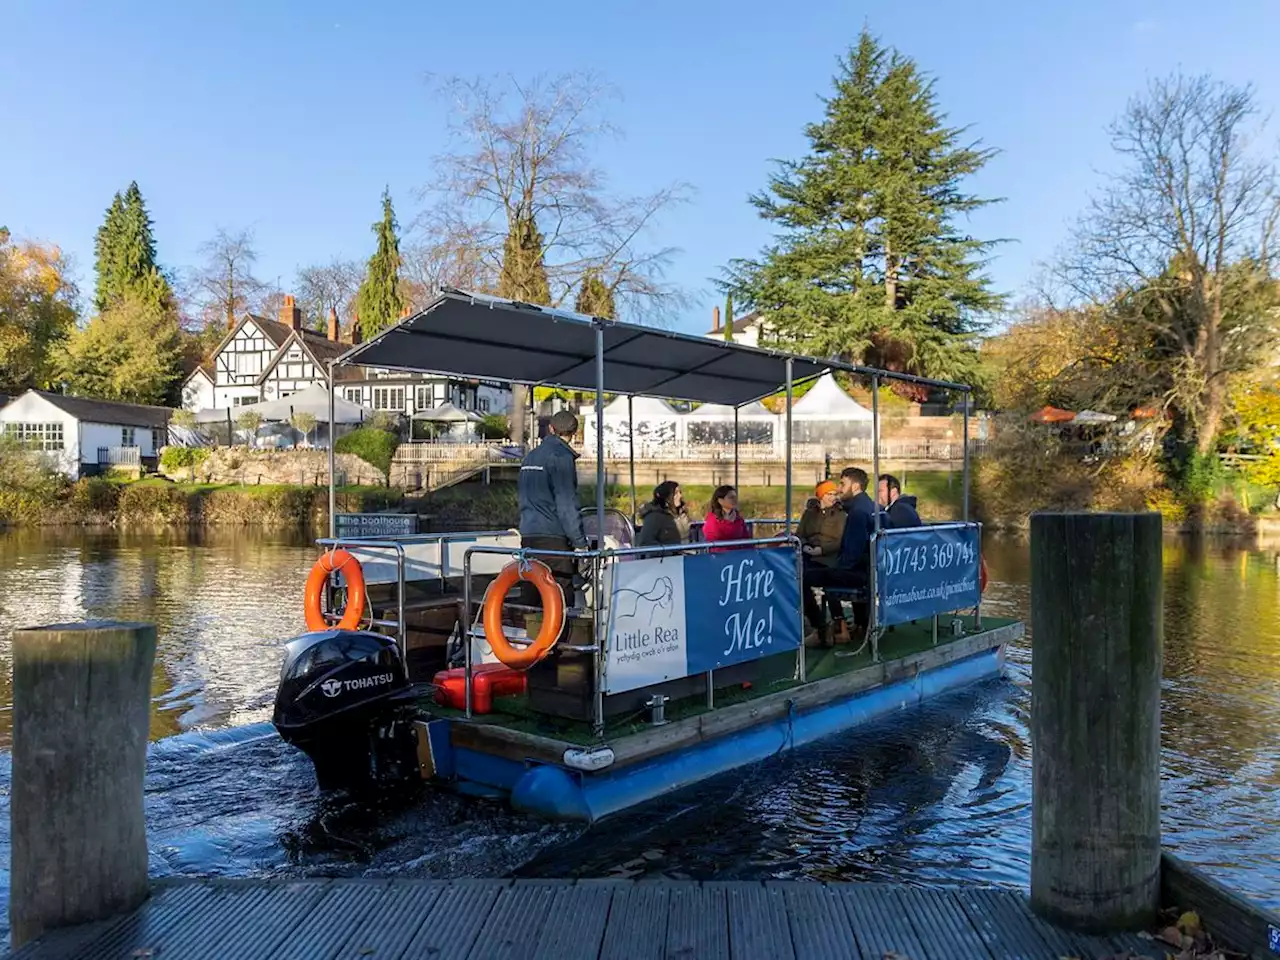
[299, 467]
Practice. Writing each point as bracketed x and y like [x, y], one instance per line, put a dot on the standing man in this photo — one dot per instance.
[550, 518]
[899, 511]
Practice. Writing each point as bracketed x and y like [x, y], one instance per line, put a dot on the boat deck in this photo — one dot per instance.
[907, 644]
[568, 920]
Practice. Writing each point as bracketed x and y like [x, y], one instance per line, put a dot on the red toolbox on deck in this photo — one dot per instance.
[488, 680]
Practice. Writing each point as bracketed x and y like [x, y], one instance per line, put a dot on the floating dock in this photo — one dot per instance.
[567, 920]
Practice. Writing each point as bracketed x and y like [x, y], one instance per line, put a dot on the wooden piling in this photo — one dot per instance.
[81, 699]
[1096, 624]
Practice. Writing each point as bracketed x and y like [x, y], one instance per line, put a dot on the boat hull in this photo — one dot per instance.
[557, 791]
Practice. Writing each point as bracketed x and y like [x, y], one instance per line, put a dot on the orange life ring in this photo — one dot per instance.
[349, 567]
[539, 574]
[982, 574]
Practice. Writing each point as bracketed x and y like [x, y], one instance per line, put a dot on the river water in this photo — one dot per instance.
[938, 795]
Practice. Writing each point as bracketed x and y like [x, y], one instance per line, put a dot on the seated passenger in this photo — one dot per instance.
[658, 525]
[900, 511]
[724, 522]
[851, 569]
[822, 526]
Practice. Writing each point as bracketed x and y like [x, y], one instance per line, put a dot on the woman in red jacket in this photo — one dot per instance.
[724, 522]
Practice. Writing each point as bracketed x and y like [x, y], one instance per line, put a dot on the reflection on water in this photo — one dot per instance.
[940, 795]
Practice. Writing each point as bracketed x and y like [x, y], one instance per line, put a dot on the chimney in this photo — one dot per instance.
[333, 325]
[290, 313]
[355, 329]
[715, 319]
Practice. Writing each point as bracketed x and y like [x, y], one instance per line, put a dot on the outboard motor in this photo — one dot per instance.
[345, 700]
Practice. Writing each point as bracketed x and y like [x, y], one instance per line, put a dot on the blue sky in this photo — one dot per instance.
[290, 117]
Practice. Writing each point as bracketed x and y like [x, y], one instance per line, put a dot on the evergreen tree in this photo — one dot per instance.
[523, 277]
[125, 254]
[132, 351]
[728, 317]
[105, 248]
[871, 264]
[595, 298]
[379, 302]
[524, 270]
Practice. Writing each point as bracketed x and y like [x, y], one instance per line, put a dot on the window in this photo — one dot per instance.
[388, 398]
[353, 394]
[126, 437]
[424, 397]
[36, 436]
[243, 401]
[248, 364]
[484, 405]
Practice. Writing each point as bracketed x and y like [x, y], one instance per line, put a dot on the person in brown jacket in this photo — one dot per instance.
[820, 529]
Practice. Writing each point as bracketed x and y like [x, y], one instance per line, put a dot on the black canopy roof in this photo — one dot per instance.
[473, 335]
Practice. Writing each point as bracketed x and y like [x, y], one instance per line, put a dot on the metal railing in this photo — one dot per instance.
[435, 451]
[851, 450]
[599, 649]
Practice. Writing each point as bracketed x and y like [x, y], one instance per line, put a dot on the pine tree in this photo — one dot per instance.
[871, 264]
[106, 247]
[524, 270]
[728, 317]
[379, 301]
[595, 299]
[523, 277]
[125, 254]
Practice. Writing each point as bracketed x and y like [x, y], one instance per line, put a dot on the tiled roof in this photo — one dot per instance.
[109, 411]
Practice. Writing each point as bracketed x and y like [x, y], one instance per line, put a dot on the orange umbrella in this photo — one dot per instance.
[1052, 415]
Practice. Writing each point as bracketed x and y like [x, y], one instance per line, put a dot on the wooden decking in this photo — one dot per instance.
[566, 920]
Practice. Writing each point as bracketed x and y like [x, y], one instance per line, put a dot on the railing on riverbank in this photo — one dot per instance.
[851, 451]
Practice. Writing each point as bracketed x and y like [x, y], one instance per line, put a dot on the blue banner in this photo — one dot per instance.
[745, 606]
[676, 616]
[925, 570]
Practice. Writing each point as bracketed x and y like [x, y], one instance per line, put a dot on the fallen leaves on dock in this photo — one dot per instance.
[1186, 936]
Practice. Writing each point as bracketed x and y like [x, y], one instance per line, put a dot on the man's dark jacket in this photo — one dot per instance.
[548, 493]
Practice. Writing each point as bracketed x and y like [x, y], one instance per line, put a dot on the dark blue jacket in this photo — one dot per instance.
[548, 493]
[902, 513]
[856, 542]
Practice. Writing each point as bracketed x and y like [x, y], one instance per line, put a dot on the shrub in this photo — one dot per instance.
[173, 459]
[375, 447]
[494, 426]
[93, 495]
[153, 503]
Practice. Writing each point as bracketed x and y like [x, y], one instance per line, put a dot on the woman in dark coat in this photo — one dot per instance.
[658, 526]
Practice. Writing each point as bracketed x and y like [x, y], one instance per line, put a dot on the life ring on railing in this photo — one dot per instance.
[982, 574]
[349, 567]
[539, 574]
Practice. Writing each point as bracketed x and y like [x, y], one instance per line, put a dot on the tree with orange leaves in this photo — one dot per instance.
[37, 311]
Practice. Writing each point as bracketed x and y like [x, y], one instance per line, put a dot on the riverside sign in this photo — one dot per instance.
[672, 617]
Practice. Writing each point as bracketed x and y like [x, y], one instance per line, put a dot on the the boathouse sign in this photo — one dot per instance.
[673, 617]
[925, 570]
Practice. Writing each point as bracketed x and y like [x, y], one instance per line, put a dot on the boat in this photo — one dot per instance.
[670, 664]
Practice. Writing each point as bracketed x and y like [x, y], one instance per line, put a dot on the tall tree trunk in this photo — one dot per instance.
[1215, 387]
[519, 414]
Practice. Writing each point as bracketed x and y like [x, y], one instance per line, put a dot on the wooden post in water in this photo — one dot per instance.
[1096, 625]
[81, 713]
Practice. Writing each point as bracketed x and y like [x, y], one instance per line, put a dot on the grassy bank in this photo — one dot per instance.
[97, 501]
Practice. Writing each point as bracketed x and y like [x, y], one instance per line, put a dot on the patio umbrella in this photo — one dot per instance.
[313, 400]
[1053, 415]
[446, 413]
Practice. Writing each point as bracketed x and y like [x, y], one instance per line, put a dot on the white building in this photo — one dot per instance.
[262, 360]
[747, 330]
[81, 436]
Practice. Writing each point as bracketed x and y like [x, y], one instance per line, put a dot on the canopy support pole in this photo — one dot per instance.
[735, 447]
[872, 629]
[631, 455]
[964, 436]
[333, 496]
[789, 444]
[597, 573]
